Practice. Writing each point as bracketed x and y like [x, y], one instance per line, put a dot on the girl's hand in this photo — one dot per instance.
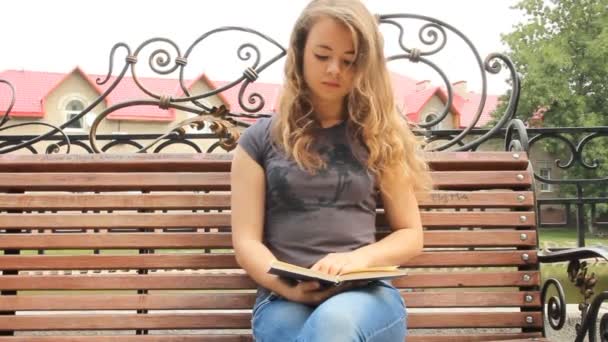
[340, 263]
[312, 293]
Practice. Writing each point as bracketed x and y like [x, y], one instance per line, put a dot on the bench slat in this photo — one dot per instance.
[248, 338]
[81, 181]
[495, 238]
[130, 162]
[435, 238]
[132, 338]
[494, 160]
[190, 201]
[216, 220]
[71, 201]
[468, 299]
[473, 320]
[507, 337]
[470, 180]
[246, 300]
[466, 279]
[220, 162]
[242, 321]
[501, 219]
[476, 199]
[191, 181]
[114, 220]
[126, 321]
[242, 281]
[212, 261]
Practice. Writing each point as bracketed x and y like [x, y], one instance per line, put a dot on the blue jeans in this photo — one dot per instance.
[375, 312]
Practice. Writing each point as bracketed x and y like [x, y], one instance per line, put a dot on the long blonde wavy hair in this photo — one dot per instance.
[373, 119]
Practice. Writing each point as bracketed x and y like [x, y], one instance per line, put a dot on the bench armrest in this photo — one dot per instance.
[577, 274]
[570, 254]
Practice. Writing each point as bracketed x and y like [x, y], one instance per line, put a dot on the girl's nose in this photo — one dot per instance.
[333, 68]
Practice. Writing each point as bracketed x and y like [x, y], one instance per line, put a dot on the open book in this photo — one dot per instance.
[294, 272]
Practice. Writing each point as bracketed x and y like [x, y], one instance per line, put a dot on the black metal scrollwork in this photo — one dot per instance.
[579, 275]
[218, 119]
[556, 308]
[166, 58]
[434, 33]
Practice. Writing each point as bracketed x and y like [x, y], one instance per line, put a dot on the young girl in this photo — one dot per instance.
[305, 184]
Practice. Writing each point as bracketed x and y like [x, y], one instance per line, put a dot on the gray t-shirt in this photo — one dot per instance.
[308, 216]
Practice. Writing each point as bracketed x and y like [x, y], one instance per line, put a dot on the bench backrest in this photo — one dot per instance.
[138, 242]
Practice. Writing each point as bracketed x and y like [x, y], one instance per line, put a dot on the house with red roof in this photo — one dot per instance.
[56, 97]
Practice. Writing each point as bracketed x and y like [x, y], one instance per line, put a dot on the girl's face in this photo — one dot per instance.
[329, 57]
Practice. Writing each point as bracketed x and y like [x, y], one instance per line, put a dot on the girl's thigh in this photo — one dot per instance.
[372, 313]
[277, 319]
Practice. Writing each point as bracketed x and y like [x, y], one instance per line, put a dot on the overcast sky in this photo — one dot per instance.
[58, 35]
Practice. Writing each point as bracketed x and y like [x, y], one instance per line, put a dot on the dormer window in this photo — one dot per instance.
[430, 118]
[72, 109]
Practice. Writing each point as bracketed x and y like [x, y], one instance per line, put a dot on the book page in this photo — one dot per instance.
[373, 269]
[290, 270]
[372, 275]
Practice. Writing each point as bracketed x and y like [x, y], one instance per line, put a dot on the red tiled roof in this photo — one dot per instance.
[402, 86]
[463, 108]
[32, 87]
[203, 78]
[470, 107]
[416, 101]
[128, 90]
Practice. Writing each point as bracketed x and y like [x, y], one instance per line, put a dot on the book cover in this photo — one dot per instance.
[293, 272]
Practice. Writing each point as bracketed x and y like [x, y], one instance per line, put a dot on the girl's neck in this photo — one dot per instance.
[329, 114]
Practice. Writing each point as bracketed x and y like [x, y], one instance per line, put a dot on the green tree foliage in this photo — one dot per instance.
[560, 49]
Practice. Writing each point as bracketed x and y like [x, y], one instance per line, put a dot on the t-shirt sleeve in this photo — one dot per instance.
[255, 140]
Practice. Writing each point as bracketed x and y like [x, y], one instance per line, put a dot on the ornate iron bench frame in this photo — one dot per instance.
[224, 124]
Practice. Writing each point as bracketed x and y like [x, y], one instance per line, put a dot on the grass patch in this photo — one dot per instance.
[566, 237]
[572, 293]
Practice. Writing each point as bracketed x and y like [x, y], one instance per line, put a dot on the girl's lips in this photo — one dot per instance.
[331, 84]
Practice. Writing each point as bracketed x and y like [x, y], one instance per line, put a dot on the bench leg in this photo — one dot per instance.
[9, 292]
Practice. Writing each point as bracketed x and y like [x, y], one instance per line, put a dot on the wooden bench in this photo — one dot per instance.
[138, 244]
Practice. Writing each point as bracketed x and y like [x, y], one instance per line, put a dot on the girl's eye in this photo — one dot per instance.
[348, 63]
[321, 58]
